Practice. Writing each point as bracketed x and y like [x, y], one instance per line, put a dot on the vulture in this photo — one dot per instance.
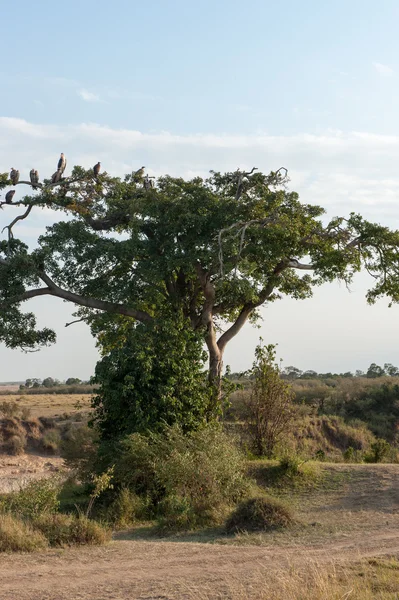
[10, 196]
[14, 176]
[96, 169]
[138, 174]
[148, 182]
[55, 178]
[62, 163]
[34, 176]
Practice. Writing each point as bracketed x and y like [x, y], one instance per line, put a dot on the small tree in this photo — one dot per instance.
[270, 406]
[375, 371]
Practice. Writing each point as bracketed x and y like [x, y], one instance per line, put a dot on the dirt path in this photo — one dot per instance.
[367, 503]
[155, 570]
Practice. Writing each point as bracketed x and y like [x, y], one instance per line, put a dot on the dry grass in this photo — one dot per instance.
[375, 579]
[52, 405]
[18, 536]
[69, 530]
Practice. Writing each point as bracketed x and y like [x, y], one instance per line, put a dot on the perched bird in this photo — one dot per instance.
[55, 178]
[62, 163]
[138, 174]
[14, 176]
[10, 196]
[96, 169]
[148, 182]
[34, 176]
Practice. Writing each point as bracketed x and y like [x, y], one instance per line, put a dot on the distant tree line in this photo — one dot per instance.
[292, 373]
[50, 382]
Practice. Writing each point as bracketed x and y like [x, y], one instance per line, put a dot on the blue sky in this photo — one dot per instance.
[185, 87]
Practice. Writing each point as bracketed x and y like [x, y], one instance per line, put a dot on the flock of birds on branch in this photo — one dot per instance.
[148, 182]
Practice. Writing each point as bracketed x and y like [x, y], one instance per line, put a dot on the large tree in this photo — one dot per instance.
[213, 250]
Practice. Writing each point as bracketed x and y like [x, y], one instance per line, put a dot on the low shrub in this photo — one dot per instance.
[14, 445]
[69, 530]
[379, 451]
[51, 440]
[174, 473]
[259, 514]
[9, 409]
[125, 508]
[78, 448]
[18, 536]
[40, 496]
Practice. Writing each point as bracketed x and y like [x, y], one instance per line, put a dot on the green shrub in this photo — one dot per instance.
[69, 530]
[18, 536]
[125, 509]
[259, 514]
[37, 497]
[78, 448]
[196, 474]
[379, 450]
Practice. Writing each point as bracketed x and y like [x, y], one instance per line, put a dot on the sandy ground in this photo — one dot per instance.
[366, 507]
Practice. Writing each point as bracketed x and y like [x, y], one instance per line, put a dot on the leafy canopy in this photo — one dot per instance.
[213, 249]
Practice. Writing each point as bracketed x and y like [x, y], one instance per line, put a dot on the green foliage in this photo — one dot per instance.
[270, 408]
[125, 508]
[184, 479]
[153, 380]
[51, 441]
[78, 448]
[101, 483]
[259, 514]
[18, 536]
[39, 496]
[69, 530]
[379, 450]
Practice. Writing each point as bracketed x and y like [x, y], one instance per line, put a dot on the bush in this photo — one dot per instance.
[51, 441]
[9, 409]
[40, 496]
[379, 450]
[69, 530]
[259, 514]
[270, 404]
[18, 536]
[125, 509]
[15, 445]
[197, 474]
[78, 448]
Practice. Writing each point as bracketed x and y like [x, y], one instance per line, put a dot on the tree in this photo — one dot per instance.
[48, 382]
[214, 250]
[154, 379]
[292, 372]
[270, 405]
[374, 371]
[73, 381]
[391, 370]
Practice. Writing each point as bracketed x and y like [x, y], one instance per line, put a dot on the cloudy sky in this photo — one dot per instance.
[186, 87]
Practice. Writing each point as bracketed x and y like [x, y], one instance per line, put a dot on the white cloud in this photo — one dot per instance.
[88, 96]
[343, 171]
[384, 70]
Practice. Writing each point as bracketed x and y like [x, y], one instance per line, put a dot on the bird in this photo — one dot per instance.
[14, 176]
[148, 182]
[138, 174]
[10, 196]
[96, 169]
[34, 176]
[62, 163]
[56, 176]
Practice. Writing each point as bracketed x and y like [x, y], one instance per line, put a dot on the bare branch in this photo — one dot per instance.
[73, 322]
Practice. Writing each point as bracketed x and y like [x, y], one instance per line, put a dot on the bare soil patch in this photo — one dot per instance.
[17, 471]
